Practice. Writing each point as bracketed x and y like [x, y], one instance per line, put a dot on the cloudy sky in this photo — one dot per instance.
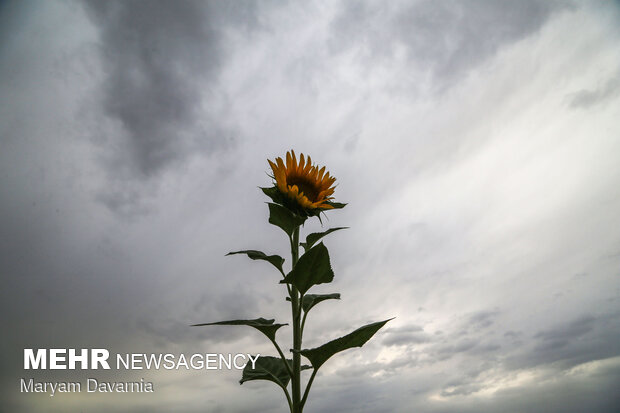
[476, 142]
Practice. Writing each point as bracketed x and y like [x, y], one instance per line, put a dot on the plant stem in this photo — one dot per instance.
[288, 368]
[303, 323]
[288, 399]
[303, 400]
[295, 306]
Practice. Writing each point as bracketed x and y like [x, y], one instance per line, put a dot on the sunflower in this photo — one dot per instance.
[306, 185]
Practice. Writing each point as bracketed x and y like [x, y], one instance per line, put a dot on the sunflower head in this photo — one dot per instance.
[300, 186]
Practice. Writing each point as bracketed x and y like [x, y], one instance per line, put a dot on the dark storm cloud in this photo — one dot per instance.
[482, 354]
[559, 336]
[162, 59]
[581, 340]
[444, 40]
[468, 336]
[588, 98]
[561, 393]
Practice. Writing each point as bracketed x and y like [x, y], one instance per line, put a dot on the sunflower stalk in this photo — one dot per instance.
[295, 309]
[300, 191]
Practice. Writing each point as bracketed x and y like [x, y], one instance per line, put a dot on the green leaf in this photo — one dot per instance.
[336, 205]
[274, 193]
[275, 260]
[312, 268]
[283, 218]
[283, 200]
[310, 300]
[358, 338]
[311, 239]
[269, 368]
[267, 327]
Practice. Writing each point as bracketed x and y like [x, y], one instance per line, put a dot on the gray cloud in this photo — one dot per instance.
[574, 329]
[441, 41]
[405, 335]
[483, 319]
[584, 339]
[162, 62]
[587, 98]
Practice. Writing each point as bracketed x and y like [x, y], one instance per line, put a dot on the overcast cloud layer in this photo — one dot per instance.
[476, 142]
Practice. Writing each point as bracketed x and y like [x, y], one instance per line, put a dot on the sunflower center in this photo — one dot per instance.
[307, 186]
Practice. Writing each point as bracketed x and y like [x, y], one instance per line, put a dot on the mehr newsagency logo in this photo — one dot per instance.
[99, 359]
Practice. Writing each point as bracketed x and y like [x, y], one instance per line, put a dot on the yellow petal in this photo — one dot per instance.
[280, 163]
[302, 163]
[294, 165]
[289, 161]
[274, 167]
[306, 171]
